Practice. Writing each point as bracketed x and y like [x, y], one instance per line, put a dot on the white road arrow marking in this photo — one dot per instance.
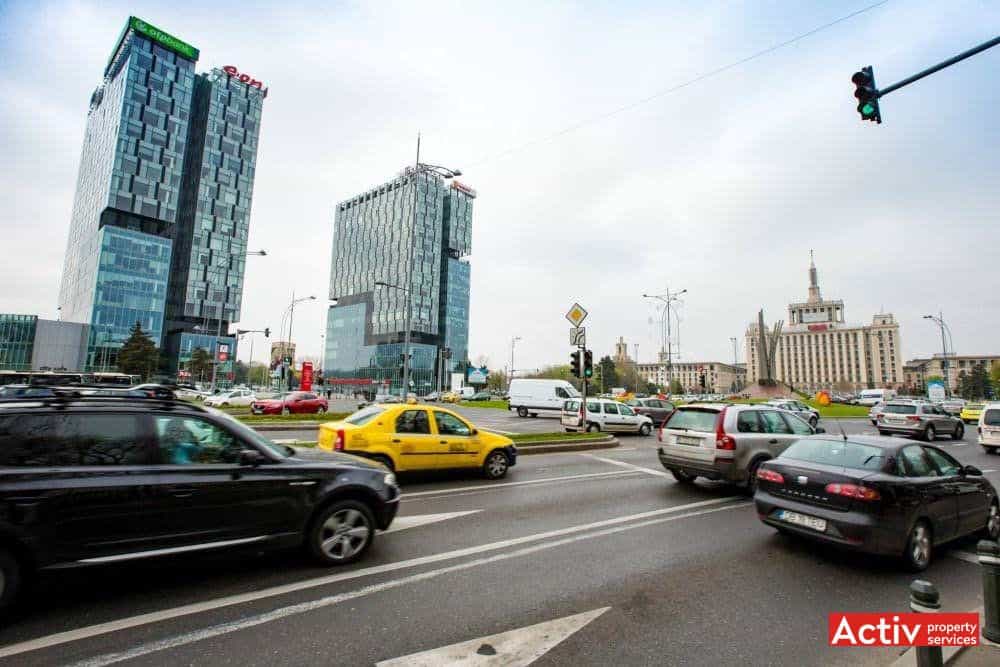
[514, 648]
[404, 522]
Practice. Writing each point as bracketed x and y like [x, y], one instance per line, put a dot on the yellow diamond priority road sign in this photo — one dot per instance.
[576, 314]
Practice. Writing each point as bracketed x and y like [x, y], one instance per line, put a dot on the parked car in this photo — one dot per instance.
[989, 428]
[953, 406]
[726, 442]
[808, 413]
[451, 397]
[534, 397]
[419, 437]
[90, 480]
[235, 398]
[654, 408]
[479, 396]
[433, 396]
[296, 402]
[604, 414]
[918, 420]
[874, 413]
[876, 495]
[24, 391]
[970, 413]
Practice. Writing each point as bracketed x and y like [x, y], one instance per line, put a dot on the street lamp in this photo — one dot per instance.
[939, 320]
[218, 328]
[667, 299]
[418, 168]
[290, 314]
[510, 379]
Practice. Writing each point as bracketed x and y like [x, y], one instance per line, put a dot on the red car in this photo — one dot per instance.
[296, 402]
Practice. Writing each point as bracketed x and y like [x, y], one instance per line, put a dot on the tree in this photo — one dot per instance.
[241, 372]
[259, 374]
[200, 365]
[496, 381]
[979, 381]
[995, 378]
[138, 355]
[652, 388]
[609, 374]
[675, 387]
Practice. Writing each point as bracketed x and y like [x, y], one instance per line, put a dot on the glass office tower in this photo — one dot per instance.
[166, 174]
[373, 233]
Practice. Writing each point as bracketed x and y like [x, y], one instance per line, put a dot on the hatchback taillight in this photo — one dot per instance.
[338, 444]
[855, 491]
[770, 476]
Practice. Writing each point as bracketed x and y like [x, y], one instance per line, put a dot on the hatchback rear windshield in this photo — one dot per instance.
[991, 417]
[836, 453]
[693, 419]
[362, 417]
[900, 409]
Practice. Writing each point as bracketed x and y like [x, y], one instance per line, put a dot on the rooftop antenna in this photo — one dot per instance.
[842, 433]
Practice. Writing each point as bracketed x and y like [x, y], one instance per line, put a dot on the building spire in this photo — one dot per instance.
[814, 296]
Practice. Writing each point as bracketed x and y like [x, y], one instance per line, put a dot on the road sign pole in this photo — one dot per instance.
[583, 386]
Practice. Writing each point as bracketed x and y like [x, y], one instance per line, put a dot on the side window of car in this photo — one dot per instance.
[449, 425]
[747, 422]
[610, 408]
[189, 440]
[915, 463]
[798, 426]
[626, 410]
[70, 440]
[593, 407]
[413, 421]
[773, 423]
[945, 465]
[561, 393]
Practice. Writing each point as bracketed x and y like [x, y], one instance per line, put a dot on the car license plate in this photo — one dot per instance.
[802, 520]
[688, 440]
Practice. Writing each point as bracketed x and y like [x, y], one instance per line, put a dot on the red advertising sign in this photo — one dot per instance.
[223, 351]
[818, 327]
[902, 629]
[244, 78]
[307, 376]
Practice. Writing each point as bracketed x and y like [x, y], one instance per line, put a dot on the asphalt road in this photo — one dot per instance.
[616, 562]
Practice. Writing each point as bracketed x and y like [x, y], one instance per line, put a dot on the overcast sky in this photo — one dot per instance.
[721, 187]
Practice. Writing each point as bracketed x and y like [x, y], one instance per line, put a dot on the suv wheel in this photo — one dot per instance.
[929, 433]
[919, 545]
[751, 487]
[992, 529]
[10, 579]
[959, 432]
[813, 421]
[341, 533]
[683, 477]
[522, 411]
[496, 464]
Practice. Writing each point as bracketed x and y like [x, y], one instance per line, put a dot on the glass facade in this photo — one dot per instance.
[373, 233]
[17, 340]
[187, 343]
[133, 270]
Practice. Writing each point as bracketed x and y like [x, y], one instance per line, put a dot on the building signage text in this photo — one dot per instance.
[244, 78]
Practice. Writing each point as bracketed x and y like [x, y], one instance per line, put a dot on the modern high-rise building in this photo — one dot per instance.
[376, 236]
[159, 224]
[819, 349]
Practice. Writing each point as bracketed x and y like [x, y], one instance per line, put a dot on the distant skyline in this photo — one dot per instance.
[721, 187]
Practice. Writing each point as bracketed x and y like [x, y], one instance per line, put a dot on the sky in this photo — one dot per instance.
[721, 187]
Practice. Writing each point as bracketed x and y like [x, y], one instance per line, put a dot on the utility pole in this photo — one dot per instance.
[667, 299]
[939, 320]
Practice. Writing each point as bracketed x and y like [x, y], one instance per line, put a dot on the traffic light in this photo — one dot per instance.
[867, 94]
[267, 332]
[574, 364]
[588, 364]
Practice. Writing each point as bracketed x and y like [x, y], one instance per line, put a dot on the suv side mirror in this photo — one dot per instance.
[819, 429]
[251, 457]
[972, 470]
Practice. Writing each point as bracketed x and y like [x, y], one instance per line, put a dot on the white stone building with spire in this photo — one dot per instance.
[820, 349]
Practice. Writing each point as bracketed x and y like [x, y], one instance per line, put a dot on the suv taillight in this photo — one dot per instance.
[338, 444]
[855, 491]
[723, 441]
[913, 418]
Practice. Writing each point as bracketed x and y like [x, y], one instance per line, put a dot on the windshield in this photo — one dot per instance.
[365, 415]
[250, 434]
[900, 409]
[693, 419]
[841, 453]
[571, 390]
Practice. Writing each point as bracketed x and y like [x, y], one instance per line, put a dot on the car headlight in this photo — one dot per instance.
[389, 479]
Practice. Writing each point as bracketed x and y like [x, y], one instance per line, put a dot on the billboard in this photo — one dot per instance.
[223, 351]
[814, 317]
[478, 375]
[306, 383]
[935, 390]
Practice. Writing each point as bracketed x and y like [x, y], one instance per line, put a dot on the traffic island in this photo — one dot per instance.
[549, 443]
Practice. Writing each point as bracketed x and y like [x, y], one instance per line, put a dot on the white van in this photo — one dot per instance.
[989, 428]
[535, 397]
[870, 397]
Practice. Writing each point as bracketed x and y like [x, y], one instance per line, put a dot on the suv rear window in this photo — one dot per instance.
[836, 453]
[693, 419]
[69, 440]
[900, 409]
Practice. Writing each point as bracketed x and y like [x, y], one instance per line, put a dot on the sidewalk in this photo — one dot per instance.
[987, 654]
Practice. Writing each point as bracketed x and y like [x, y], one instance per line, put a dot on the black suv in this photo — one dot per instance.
[87, 480]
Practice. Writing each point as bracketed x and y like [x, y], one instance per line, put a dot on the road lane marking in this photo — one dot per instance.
[404, 522]
[312, 605]
[252, 596]
[503, 485]
[630, 466]
[514, 648]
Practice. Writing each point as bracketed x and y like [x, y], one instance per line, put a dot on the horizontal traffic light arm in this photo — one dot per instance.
[940, 66]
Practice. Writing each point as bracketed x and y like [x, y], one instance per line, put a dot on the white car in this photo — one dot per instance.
[235, 398]
[604, 415]
[807, 413]
[874, 413]
[989, 428]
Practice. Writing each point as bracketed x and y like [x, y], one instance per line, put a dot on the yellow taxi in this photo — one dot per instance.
[450, 397]
[970, 412]
[419, 437]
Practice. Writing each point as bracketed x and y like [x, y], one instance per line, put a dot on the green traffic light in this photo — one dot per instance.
[868, 110]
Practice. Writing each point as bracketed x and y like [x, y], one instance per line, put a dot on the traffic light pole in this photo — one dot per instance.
[940, 66]
[583, 385]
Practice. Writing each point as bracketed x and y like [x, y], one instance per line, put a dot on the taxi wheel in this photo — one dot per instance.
[496, 465]
[959, 432]
[285, 411]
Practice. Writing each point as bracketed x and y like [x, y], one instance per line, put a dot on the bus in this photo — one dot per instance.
[55, 378]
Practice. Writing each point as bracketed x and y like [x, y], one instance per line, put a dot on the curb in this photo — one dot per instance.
[293, 426]
[555, 446]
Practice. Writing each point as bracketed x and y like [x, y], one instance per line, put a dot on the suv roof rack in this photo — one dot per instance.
[63, 395]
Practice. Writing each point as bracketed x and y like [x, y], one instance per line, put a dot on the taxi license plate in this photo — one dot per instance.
[802, 520]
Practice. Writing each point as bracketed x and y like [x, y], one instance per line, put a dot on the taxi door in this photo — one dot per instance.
[460, 449]
[416, 447]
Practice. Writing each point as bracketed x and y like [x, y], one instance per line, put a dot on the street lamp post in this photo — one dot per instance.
[666, 299]
[290, 312]
[939, 320]
[510, 378]
[736, 361]
[418, 168]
